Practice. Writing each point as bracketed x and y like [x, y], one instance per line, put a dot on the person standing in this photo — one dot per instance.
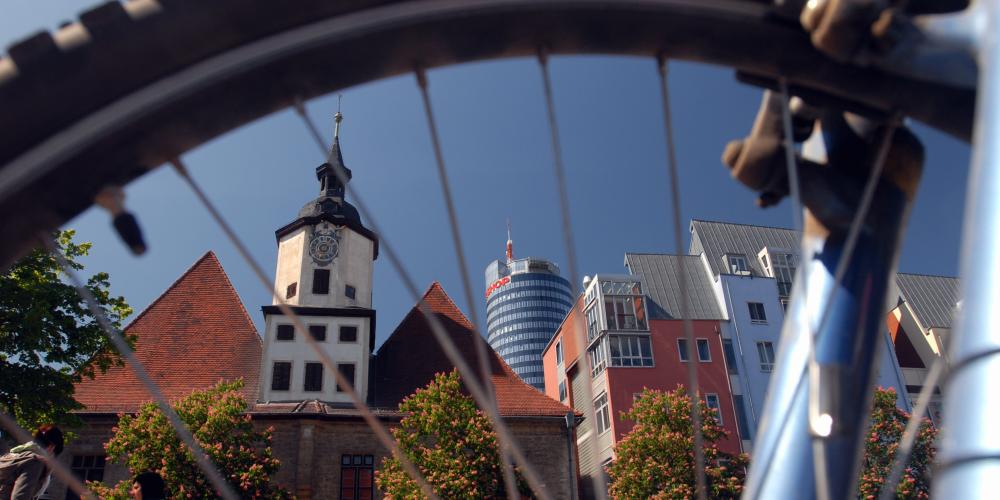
[24, 475]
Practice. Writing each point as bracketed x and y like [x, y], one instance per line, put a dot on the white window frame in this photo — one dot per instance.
[766, 349]
[593, 323]
[682, 351]
[718, 405]
[637, 358]
[602, 413]
[562, 391]
[559, 352]
[697, 343]
[761, 321]
[598, 358]
[730, 259]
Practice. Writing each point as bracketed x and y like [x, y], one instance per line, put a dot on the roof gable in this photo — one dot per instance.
[716, 239]
[931, 298]
[193, 335]
[411, 356]
[661, 283]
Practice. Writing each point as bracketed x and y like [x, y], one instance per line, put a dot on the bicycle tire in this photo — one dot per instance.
[82, 109]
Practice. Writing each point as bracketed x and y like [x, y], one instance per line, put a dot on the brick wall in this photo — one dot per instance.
[310, 451]
[89, 441]
[318, 474]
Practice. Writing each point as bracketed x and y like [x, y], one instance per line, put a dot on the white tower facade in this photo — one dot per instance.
[324, 272]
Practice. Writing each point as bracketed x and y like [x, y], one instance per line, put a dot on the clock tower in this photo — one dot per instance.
[324, 273]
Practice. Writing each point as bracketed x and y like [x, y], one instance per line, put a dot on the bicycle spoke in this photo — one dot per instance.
[600, 485]
[381, 433]
[790, 163]
[481, 347]
[675, 199]
[58, 468]
[204, 462]
[448, 347]
[905, 447]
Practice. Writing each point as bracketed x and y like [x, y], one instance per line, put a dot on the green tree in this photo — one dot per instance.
[48, 338]
[887, 425]
[450, 441]
[656, 459]
[217, 417]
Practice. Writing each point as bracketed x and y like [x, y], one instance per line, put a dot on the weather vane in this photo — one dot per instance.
[337, 118]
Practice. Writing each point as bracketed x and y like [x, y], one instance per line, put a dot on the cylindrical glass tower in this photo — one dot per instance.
[526, 301]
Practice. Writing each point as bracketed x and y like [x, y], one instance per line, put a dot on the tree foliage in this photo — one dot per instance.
[887, 425]
[217, 418]
[450, 441]
[656, 459]
[48, 338]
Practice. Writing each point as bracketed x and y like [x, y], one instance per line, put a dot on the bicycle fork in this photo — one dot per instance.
[816, 412]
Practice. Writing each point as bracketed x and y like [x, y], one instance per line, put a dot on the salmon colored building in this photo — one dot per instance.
[635, 341]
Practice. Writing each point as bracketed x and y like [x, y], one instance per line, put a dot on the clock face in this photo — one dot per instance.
[324, 245]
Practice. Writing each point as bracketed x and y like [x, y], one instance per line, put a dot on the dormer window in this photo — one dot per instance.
[737, 264]
[779, 264]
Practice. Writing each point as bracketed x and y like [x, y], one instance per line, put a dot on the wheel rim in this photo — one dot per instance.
[181, 111]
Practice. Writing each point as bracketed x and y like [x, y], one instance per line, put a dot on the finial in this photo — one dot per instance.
[510, 244]
[337, 118]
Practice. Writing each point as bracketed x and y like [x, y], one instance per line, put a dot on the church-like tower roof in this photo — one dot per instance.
[331, 205]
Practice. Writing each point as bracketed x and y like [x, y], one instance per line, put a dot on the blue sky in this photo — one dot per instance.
[493, 128]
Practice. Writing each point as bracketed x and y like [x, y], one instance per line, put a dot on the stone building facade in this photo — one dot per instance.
[198, 333]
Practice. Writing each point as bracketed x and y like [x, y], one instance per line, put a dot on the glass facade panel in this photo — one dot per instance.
[783, 267]
[598, 358]
[757, 312]
[525, 304]
[630, 350]
[741, 417]
[730, 353]
[704, 353]
[765, 351]
[712, 401]
[603, 413]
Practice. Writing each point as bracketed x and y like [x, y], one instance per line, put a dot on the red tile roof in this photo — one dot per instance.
[195, 334]
[411, 356]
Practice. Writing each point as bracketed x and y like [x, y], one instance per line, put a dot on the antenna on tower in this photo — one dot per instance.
[337, 118]
[510, 243]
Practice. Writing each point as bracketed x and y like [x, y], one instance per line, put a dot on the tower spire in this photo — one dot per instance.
[510, 243]
[337, 118]
[327, 173]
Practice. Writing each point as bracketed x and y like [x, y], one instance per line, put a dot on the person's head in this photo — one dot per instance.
[51, 438]
[148, 486]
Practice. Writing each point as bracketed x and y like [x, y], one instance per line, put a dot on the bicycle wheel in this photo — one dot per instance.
[132, 85]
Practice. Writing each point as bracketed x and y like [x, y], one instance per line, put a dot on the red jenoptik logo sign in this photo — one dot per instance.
[497, 284]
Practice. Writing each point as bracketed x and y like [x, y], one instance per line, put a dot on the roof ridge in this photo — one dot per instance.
[926, 275]
[415, 310]
[451, 302]
[743, 224]
[239, 300]
[173, 285]
[664, 254]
